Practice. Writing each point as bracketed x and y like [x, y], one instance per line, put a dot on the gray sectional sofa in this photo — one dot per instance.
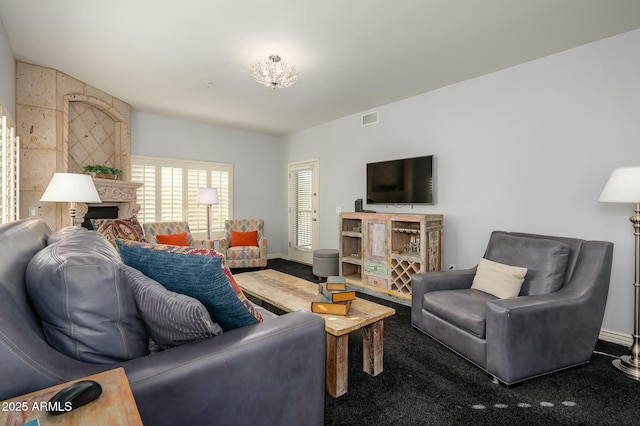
[271, 372]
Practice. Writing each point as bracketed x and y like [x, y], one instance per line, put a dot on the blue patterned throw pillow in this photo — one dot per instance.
[200, 277]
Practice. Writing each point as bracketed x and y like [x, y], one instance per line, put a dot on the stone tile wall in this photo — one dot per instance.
[65, 124]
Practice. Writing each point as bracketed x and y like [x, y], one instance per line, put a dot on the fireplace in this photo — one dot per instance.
[99, 212]
[118, 199]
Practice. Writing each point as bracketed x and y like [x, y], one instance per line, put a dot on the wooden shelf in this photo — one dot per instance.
[415, 257]
[407, 230]
[351, 234]
[354, 279]
[392, 248]
[352, 260]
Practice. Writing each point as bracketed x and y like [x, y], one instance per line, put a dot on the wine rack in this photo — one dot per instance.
[379, 253]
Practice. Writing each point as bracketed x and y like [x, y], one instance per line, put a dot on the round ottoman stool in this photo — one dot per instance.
[325, 263]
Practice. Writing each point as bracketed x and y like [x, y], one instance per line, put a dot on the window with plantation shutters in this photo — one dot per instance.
[170, 188]
[146, 193]
[218, 177]
[9, 169]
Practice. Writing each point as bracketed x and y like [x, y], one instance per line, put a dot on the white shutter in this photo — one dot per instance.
[197, 214]
[221, 180]
[302, 206]
[9, 169]
[146, 194]
[171, 194]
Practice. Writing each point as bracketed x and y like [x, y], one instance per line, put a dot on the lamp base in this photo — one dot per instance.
[73, 208]
[628, 366]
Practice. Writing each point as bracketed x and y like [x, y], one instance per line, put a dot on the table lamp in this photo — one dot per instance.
[72, 188]
[208, 197]
[623, 186]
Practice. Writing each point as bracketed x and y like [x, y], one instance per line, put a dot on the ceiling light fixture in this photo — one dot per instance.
[274, 73]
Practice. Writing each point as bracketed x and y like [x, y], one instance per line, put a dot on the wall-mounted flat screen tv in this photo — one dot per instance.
[404, 181]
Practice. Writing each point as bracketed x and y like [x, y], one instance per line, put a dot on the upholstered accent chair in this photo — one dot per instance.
[551, 324]
[153, 229]
[244, 244]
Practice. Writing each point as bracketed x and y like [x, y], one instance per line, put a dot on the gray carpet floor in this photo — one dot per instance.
[424, 383]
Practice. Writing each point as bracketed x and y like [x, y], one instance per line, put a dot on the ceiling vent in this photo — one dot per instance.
[371, 118]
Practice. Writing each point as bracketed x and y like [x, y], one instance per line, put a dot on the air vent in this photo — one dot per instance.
[371, 118]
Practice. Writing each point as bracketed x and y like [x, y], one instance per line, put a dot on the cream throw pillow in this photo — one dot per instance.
[500, 280]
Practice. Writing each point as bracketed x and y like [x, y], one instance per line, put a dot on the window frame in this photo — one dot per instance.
[194, 214]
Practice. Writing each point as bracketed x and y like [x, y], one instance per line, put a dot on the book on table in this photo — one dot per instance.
[322, 305]
[336, 283]
[336, 295]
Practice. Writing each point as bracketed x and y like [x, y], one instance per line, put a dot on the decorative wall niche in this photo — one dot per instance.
[65, 124]
[93, 133]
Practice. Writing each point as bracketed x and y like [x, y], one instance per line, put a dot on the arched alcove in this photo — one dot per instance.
[60, 117]
[93, 133]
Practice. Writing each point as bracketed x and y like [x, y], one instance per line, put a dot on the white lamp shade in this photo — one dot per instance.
[623, 186]
[207, 196]
[71, 187]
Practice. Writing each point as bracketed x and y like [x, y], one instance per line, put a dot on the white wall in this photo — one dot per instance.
[7, 73]
[258, 166]
[525, 149]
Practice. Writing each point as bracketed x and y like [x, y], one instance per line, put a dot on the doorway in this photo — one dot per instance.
[303, 210]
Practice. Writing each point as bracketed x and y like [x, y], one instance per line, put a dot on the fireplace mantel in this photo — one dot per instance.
[111, 190]
[114, 193]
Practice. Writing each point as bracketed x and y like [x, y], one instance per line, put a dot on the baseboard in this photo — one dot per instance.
[278, 256]
[285, 257]
[617, 338]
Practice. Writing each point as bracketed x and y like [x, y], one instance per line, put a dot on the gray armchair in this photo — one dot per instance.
[551, 325]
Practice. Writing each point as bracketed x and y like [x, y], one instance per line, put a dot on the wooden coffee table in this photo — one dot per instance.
[291, 294]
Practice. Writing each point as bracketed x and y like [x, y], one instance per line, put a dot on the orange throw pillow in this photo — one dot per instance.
[249, 238]
[179, 239]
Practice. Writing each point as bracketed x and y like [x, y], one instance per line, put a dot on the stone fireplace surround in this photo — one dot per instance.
[63, 125]
[114, 193]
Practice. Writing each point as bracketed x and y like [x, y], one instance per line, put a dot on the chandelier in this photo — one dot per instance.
[274, 73]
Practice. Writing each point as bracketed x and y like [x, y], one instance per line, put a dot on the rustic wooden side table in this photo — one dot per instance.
[115, 406]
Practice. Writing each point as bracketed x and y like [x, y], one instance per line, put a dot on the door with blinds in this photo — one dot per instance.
[303, 210]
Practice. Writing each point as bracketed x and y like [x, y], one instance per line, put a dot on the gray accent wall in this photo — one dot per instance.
[528, 148]
[259, 166]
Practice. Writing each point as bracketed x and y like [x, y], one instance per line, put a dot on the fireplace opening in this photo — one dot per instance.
[99, 212]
